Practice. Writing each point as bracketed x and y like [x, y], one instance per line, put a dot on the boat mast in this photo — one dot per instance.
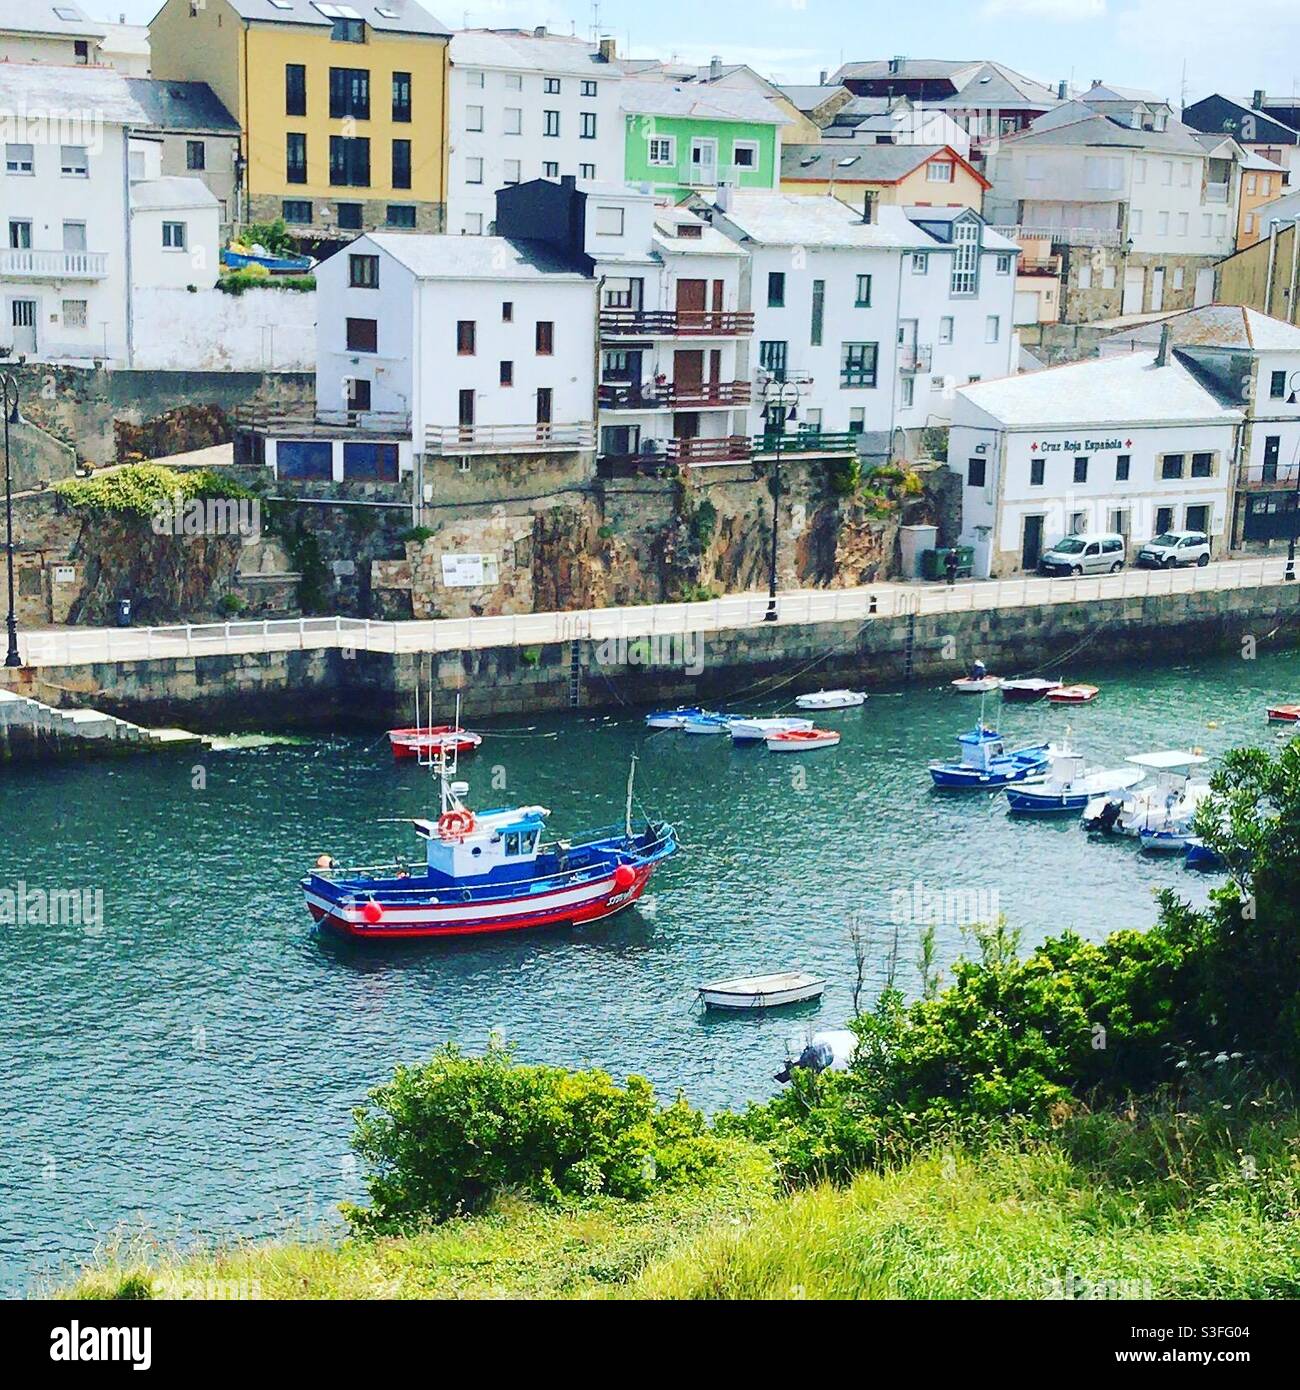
[627, 813]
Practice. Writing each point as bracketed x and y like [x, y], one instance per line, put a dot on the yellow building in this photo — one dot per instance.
[908, 175]
[342, 108]
[1261, 182]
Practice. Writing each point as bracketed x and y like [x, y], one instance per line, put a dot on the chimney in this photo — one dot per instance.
[1062, 90]
[1257, 100]
[821, 78]
[568, 181]
[722, 198]
[869, 206]
[1096, 81]
[540, 32]
[1162, 356]
[715, 68]
[608, 50]
[896, 65]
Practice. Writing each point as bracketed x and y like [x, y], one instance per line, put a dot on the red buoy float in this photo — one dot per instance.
[372, 912]
[455, 825]
[624, 876]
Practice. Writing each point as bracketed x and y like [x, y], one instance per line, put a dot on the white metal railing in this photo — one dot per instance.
[69, 265]
[1063, 236]
[469, 439]
[80, 646]
[1216, 192]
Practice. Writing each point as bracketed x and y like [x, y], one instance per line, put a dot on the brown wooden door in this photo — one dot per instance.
[692, 296]
[686, 425]
[718, 288]
[688, 373]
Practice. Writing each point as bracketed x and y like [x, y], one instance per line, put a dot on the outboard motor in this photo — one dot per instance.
[1107, 816]
[831, 1050]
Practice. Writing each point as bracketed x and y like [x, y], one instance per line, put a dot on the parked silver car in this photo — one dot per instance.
[1172, 548]
[1084, 555]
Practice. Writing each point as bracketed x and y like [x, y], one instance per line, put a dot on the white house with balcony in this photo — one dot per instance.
[526, 106]
[866, 319]
[1138, 208]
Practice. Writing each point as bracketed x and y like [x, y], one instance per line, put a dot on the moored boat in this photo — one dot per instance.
[673, 718]
[802, 740]
[1069, 785]
[706, 722]
[986, 762]
[976, 685]
[1028, 689]
[1160, 815]
[757, 730]
[489, 872]
[435, 738]
[831, 699]
[1283, 714]
[762, 991]
[1073, 695]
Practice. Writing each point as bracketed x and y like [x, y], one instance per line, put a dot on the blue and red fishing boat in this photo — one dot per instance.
[490, 871]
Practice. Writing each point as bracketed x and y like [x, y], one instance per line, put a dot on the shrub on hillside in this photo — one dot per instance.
[139, 489]
[442, 1138]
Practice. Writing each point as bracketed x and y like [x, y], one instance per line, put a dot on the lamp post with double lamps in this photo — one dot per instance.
[780, 395]
[10, 387]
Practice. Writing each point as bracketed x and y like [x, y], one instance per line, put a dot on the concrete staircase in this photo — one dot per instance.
[29, 728]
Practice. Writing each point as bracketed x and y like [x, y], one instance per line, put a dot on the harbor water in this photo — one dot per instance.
[185, 1062]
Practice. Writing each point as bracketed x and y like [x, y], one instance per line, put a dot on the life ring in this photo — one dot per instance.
[455, 825]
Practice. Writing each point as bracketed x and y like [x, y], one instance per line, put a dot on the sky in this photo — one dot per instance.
[1159, 45]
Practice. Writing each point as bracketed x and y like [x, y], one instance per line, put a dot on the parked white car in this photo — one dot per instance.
[1084, 555]
[1172, 548]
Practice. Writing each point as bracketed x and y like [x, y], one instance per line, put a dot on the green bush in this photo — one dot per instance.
[275, 236]
[257, 278]
[139, 489]
[417, 535]
[844, 475]
[704, 524]
[443, 1138]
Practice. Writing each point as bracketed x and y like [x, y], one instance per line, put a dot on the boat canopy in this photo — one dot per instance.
[1167, 761]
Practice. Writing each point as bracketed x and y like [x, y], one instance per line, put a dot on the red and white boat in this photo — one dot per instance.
[435, 738]
[1073, 695]
[1284, 714]
[801, 740]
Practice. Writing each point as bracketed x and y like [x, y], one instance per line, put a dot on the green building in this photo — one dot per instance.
[681, 136]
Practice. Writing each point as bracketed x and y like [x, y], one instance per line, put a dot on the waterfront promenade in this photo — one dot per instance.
[64, 647]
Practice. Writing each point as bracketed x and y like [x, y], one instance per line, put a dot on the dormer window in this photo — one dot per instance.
[346, 25]
[690, 231]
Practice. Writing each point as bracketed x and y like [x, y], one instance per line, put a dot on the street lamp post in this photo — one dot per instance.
[10, 385]
[779, 394]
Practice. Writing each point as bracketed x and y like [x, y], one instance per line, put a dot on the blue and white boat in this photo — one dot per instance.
[674, 718]
[490, 872]
[759, 730]
[1069, 785]
[1200, 856]
[706, 722]
[1159, 816]
[986, 762]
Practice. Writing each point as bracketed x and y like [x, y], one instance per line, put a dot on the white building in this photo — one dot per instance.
[1136, 444]
[527, 106]
[448, 347]
[72, 256]
[875, 322]
[49, 31]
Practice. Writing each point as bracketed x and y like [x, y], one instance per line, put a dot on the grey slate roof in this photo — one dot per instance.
[854, 163]
[386, 16]
[1219, 325]
[1092, 128]
[978, 84]
[145, 103]
[38, 17]
[807, 99]
[707, 102]
[433, 257]
[181, 105]
[519, 51]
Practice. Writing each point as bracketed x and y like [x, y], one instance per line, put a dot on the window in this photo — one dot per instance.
[1081, 469]
[1085, 275]
[744, 154]
[965, 261]
[1196, 519]
[587, 171]
[74, 313]
[587, 127]
[1182, 231]
[506, 374]
[72, 161]
[939, 171]
[400, 215]
[350, 161]
[20, 159]
[1171, 466]
[173, 236]
[609, 222]
[992, 328]
[474, 170]
[510, 171]
[295, 211]
[975, 472]
[401, 164]
[1202, 466]
[304, 458]
[295, 157]
[1004, 264]
[544, 399]
[772, 358]
[1272, 450]
[862, 299]
[920, 263]
[1276, 385]
[662, 150]
[1139, 171]
[473, 78]
[818, 312]
[1166, 171]
[945, 329]
[1037, 471]
[550, 122]
[857, 420]
[588, 88]
[370, 462]
[402, 96]
[474, 224]
[1122, 468]
[776, 289]
[1108, 277]
[473, 118]
[1164, 520]
[196, 156]
[295, 89]
[507, 311]
[465, 338]
[550, 170]
[513, 121]
[349, 215]
[551, 85]
[363, 271]
[363, 335]
[858, 364]
[908, 384]
[545, 338]
[1162, 224]
[344, 28]
[350, 93]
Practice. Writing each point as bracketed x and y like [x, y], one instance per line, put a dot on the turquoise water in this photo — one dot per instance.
[190, 1067]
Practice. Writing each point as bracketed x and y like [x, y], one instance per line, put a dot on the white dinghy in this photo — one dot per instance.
[762, 991]
[831, 699]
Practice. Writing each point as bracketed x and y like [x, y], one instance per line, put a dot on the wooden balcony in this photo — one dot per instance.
[509, 439]
[732, 448]
[1269, 477]
[305, 421]
[668, 323]
[669, 395]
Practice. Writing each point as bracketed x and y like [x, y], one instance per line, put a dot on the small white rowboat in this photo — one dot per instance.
[762, 991]
[831, 699]
[976, 685]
